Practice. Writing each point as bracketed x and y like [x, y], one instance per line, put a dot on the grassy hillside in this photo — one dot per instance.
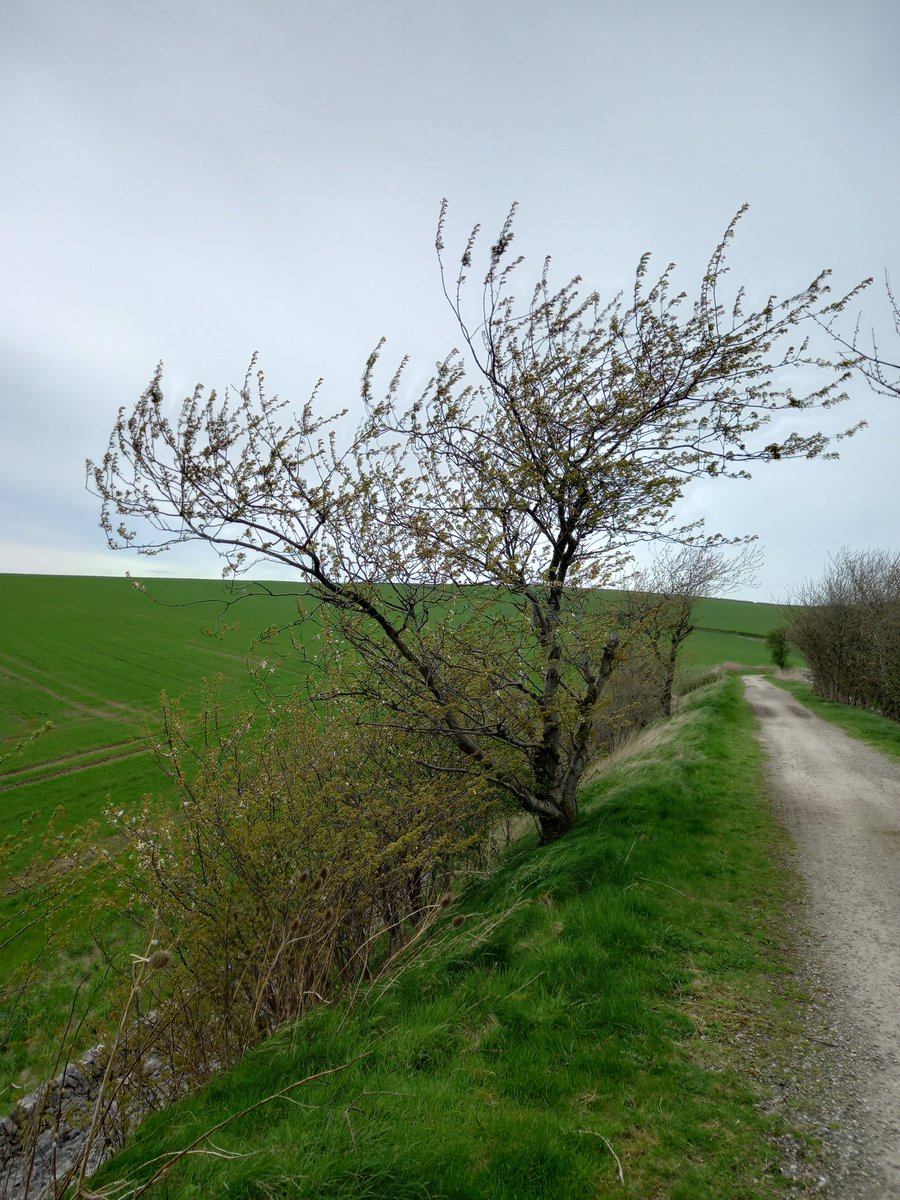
[737, 616]
[575, 1037]
[733, 631]
[709, 648]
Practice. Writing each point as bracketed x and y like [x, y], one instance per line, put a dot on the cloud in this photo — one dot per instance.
[193, 183]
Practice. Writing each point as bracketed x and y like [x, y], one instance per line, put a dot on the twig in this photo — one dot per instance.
[619, 1172]
[524, 985]
[658, 882]
[351, 1107]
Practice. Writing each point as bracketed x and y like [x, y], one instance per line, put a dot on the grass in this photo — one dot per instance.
[738, 616]
[860, 723]
[573, 1038]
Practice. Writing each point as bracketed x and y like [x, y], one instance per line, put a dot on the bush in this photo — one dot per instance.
[305, 851]
[779, 648]
[848, 629]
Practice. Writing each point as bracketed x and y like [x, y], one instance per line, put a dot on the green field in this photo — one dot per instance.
[90, 658]
[733, 631]
[83, 665]
[744, 617]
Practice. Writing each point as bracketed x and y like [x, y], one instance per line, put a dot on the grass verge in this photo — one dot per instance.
[574, 1037]
[860, 723]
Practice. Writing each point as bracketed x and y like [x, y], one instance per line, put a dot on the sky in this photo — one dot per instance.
[197, 181]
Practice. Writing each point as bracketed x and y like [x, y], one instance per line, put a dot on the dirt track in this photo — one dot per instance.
[840, 800]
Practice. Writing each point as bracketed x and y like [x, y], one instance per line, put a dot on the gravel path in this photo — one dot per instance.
[840, 801]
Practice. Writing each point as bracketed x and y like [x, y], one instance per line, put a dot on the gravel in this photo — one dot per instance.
[840, 1080]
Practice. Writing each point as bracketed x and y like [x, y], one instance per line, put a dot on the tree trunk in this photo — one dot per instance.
[665, 704]
[553, 828]
[669, 683]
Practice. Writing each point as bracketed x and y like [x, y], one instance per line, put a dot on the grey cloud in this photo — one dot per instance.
[194, 182]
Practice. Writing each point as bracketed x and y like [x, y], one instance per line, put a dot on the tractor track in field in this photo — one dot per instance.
[840, 801]
[45, 770]
[51, 775]
[79, 699]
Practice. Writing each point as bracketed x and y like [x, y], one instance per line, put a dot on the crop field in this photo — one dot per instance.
[83, 665]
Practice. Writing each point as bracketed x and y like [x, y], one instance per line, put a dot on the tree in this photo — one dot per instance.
[455, 544]
[847, 626]
[779, 647]
[659, 605]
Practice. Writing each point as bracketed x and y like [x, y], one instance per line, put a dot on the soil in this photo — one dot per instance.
[839, 799]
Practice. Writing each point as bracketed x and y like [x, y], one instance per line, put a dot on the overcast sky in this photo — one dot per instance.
[194, 181]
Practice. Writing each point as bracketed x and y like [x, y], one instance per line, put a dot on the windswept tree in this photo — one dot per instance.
[454, 546]
[658, 607]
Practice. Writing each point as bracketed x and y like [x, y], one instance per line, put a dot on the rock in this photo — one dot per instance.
[45, 1138]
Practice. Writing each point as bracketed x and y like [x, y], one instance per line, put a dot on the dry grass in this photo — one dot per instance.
[638, 746]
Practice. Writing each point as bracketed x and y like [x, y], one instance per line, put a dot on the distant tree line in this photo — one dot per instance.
[847, 627]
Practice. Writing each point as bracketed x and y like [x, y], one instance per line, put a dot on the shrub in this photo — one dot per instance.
[305, 851]
[847, 626]
[779, 649]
